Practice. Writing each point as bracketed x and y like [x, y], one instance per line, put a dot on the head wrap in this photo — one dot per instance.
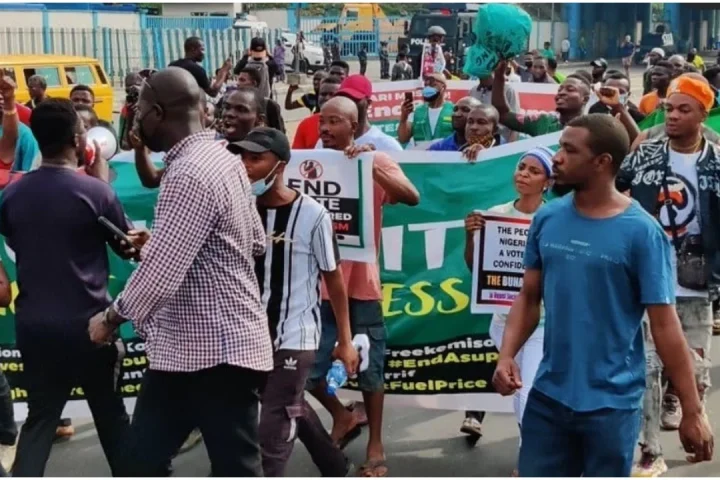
[694, 88]
[544, 155]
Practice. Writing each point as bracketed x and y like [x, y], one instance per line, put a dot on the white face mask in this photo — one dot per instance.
[624, 98]
[260, 187]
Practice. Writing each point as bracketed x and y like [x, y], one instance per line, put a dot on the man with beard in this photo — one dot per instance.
[583, 413]
[359, 89]
[660, 77]
[62, 286]
[570, 102]
[430, 121]
[307, 134]
[243, 111]
[456, 141]
[338, 128]
[656, 55]
[674, 180]
[194, 55]
[539, 71]
[197, 271]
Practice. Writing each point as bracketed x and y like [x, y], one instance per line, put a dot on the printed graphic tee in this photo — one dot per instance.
[683, 189]
[300, 245]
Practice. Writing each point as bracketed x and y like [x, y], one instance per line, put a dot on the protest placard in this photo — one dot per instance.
[345, 188]
[498, 263]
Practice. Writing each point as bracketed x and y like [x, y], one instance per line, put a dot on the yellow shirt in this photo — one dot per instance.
[698, 63]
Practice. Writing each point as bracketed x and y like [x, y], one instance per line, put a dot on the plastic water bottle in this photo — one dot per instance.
[337, 375]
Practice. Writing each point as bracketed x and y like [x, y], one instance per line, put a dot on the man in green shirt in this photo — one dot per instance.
[430, 121]
[547, 51]
[570, 102]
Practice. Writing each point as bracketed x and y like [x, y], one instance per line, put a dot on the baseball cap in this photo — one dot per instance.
[257, 44]
[599, 63]
[356, 87]
[264, 139]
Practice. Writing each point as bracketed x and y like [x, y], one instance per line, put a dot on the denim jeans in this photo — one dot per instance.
[559, 442]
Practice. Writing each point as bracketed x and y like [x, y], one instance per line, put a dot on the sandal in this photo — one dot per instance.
[349, 437]
[373, 468]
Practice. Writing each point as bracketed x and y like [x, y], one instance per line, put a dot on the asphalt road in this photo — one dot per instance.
[418, 443]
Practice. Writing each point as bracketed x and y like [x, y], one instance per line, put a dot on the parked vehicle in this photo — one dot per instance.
[314, 59]
[62, 73]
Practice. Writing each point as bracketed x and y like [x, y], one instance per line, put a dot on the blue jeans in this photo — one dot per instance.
[559, 442]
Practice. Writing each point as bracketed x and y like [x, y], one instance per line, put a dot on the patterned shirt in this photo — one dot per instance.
[194, 297]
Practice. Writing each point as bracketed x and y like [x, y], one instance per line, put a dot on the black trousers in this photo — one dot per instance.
[363, 67]
[50, 374]
[8, 427]
[221, 401]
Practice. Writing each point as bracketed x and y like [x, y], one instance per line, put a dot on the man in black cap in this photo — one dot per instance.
[300, 249]
[258, 56]
[599, 67]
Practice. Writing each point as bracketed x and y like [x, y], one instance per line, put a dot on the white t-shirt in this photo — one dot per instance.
[683, 188]
[565, 45]
[433, 116]
[382, 141]
[300, 245]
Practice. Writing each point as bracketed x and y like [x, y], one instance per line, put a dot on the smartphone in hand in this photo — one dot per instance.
[115, 230]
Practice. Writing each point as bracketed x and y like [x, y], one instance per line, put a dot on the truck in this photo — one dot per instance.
[358, 24]
[457, 25]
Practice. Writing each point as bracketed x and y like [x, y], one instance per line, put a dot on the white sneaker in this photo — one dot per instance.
[7, 456]
[671, 412]
[649, 466]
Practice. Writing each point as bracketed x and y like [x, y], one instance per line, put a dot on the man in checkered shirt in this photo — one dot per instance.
[194, 297]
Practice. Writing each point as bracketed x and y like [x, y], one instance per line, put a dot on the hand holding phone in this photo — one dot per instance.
[115, 230]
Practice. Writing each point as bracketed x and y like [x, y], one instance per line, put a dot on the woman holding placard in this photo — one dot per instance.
[532, 178]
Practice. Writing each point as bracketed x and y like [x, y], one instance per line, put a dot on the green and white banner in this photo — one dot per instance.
[439, 355]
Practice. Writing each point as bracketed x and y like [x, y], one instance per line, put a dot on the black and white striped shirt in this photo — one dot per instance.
[300, 245]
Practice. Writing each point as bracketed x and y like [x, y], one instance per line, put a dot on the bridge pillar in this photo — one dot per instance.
[573, 17]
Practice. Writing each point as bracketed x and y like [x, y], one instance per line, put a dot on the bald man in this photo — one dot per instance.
[455, 142]
[431, 120]
[338, 126]
[194, 297]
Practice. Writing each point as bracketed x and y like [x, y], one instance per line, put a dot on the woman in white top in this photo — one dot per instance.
[532, 178]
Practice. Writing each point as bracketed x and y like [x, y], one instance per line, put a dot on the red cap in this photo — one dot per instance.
[357, 87]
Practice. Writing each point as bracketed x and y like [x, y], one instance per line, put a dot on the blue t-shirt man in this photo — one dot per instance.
[598, 275]
[26, 149]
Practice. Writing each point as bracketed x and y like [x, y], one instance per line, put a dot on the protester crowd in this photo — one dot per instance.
[618, 215]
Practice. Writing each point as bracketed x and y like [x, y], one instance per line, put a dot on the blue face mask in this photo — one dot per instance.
[260, 187]
[429, 92]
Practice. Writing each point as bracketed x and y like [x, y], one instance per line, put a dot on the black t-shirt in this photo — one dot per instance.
[273, 113]
[195, 70]
[309, 101]
[50, 220]
[636, 114]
